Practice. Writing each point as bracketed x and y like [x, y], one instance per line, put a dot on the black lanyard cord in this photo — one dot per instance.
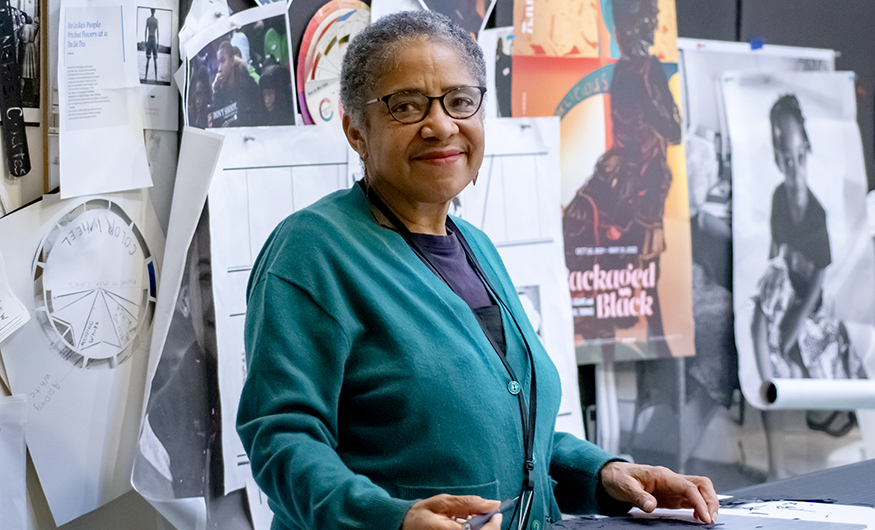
[527, 418]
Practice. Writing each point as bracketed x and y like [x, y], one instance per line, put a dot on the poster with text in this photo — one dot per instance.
[624, 191]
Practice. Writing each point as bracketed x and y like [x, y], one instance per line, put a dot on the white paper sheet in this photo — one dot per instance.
[264, 174]
[13, 458]
[806, 511]
[199, 153]
[497, 46]
[82, 358]
[13, 314]
[836, 179]
[516, 202]
[101, 129]
[732, 519]
[155, 70]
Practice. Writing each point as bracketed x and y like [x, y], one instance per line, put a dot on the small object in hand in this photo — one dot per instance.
[477, 522]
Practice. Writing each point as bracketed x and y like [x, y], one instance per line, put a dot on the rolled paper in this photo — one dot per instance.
[822, 394]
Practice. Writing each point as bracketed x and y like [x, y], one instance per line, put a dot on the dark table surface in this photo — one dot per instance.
[851, 484]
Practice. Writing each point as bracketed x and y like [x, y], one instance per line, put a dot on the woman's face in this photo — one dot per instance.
[224, 67]
[790, 156]
[433, 160]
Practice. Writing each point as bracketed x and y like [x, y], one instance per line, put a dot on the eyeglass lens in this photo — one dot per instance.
[411, 107]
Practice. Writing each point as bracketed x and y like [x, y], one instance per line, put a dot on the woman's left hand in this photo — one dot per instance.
[651, 487]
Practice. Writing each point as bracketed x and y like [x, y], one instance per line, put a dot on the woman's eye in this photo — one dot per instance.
[404, 107]
[461, 103]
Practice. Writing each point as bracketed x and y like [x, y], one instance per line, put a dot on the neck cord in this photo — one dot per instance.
[527, 418]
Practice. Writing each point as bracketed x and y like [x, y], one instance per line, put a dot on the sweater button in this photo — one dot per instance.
[514, 388]
[536, 525]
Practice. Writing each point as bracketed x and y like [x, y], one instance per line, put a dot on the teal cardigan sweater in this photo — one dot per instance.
[370, 383]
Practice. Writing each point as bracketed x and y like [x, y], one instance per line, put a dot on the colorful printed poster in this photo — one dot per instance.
[803, 284]
[624, 190]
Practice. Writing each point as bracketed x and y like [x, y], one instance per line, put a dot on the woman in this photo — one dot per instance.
[623, 203]
[377, 397]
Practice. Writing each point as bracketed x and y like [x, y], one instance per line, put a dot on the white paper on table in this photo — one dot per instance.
[264, 174]
[835, 176]
[13, 458]
[731, 519]
[805, 511]
[97, 276]
[516, 202]
[13, 314]
[199, 154]
[101, 129]
[160, 102]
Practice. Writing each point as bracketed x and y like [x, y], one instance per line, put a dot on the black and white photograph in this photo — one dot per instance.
[799, 214]
[154, 38]
[241, 78]
[707, 143]
[26, 29]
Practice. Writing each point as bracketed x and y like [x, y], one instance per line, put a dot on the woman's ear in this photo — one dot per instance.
[354, 136]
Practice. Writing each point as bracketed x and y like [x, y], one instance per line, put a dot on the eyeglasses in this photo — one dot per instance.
[410, 106]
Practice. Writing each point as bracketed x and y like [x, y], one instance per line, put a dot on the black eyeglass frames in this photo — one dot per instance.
[411, 106]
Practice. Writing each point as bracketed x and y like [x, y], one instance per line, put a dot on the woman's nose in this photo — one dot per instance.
[437, 123]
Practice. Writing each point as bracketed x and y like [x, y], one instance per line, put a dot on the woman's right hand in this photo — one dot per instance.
[448, 512]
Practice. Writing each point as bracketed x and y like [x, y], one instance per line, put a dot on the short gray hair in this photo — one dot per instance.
[367, 56]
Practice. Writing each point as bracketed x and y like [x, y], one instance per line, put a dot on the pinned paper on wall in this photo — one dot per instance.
[87, 270]
[172, 458]
[709, 183]
[263, 175]
[227, 83]
[807, 254]
[101, 130]
[13, 458]
[516, 203]
[13, 314]
[157, 57]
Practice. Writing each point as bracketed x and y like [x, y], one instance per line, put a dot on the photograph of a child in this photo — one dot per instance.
[799, 214]
[794, 333]
[154, 50]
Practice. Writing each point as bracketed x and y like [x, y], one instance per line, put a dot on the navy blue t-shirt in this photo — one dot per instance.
[448, 257]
